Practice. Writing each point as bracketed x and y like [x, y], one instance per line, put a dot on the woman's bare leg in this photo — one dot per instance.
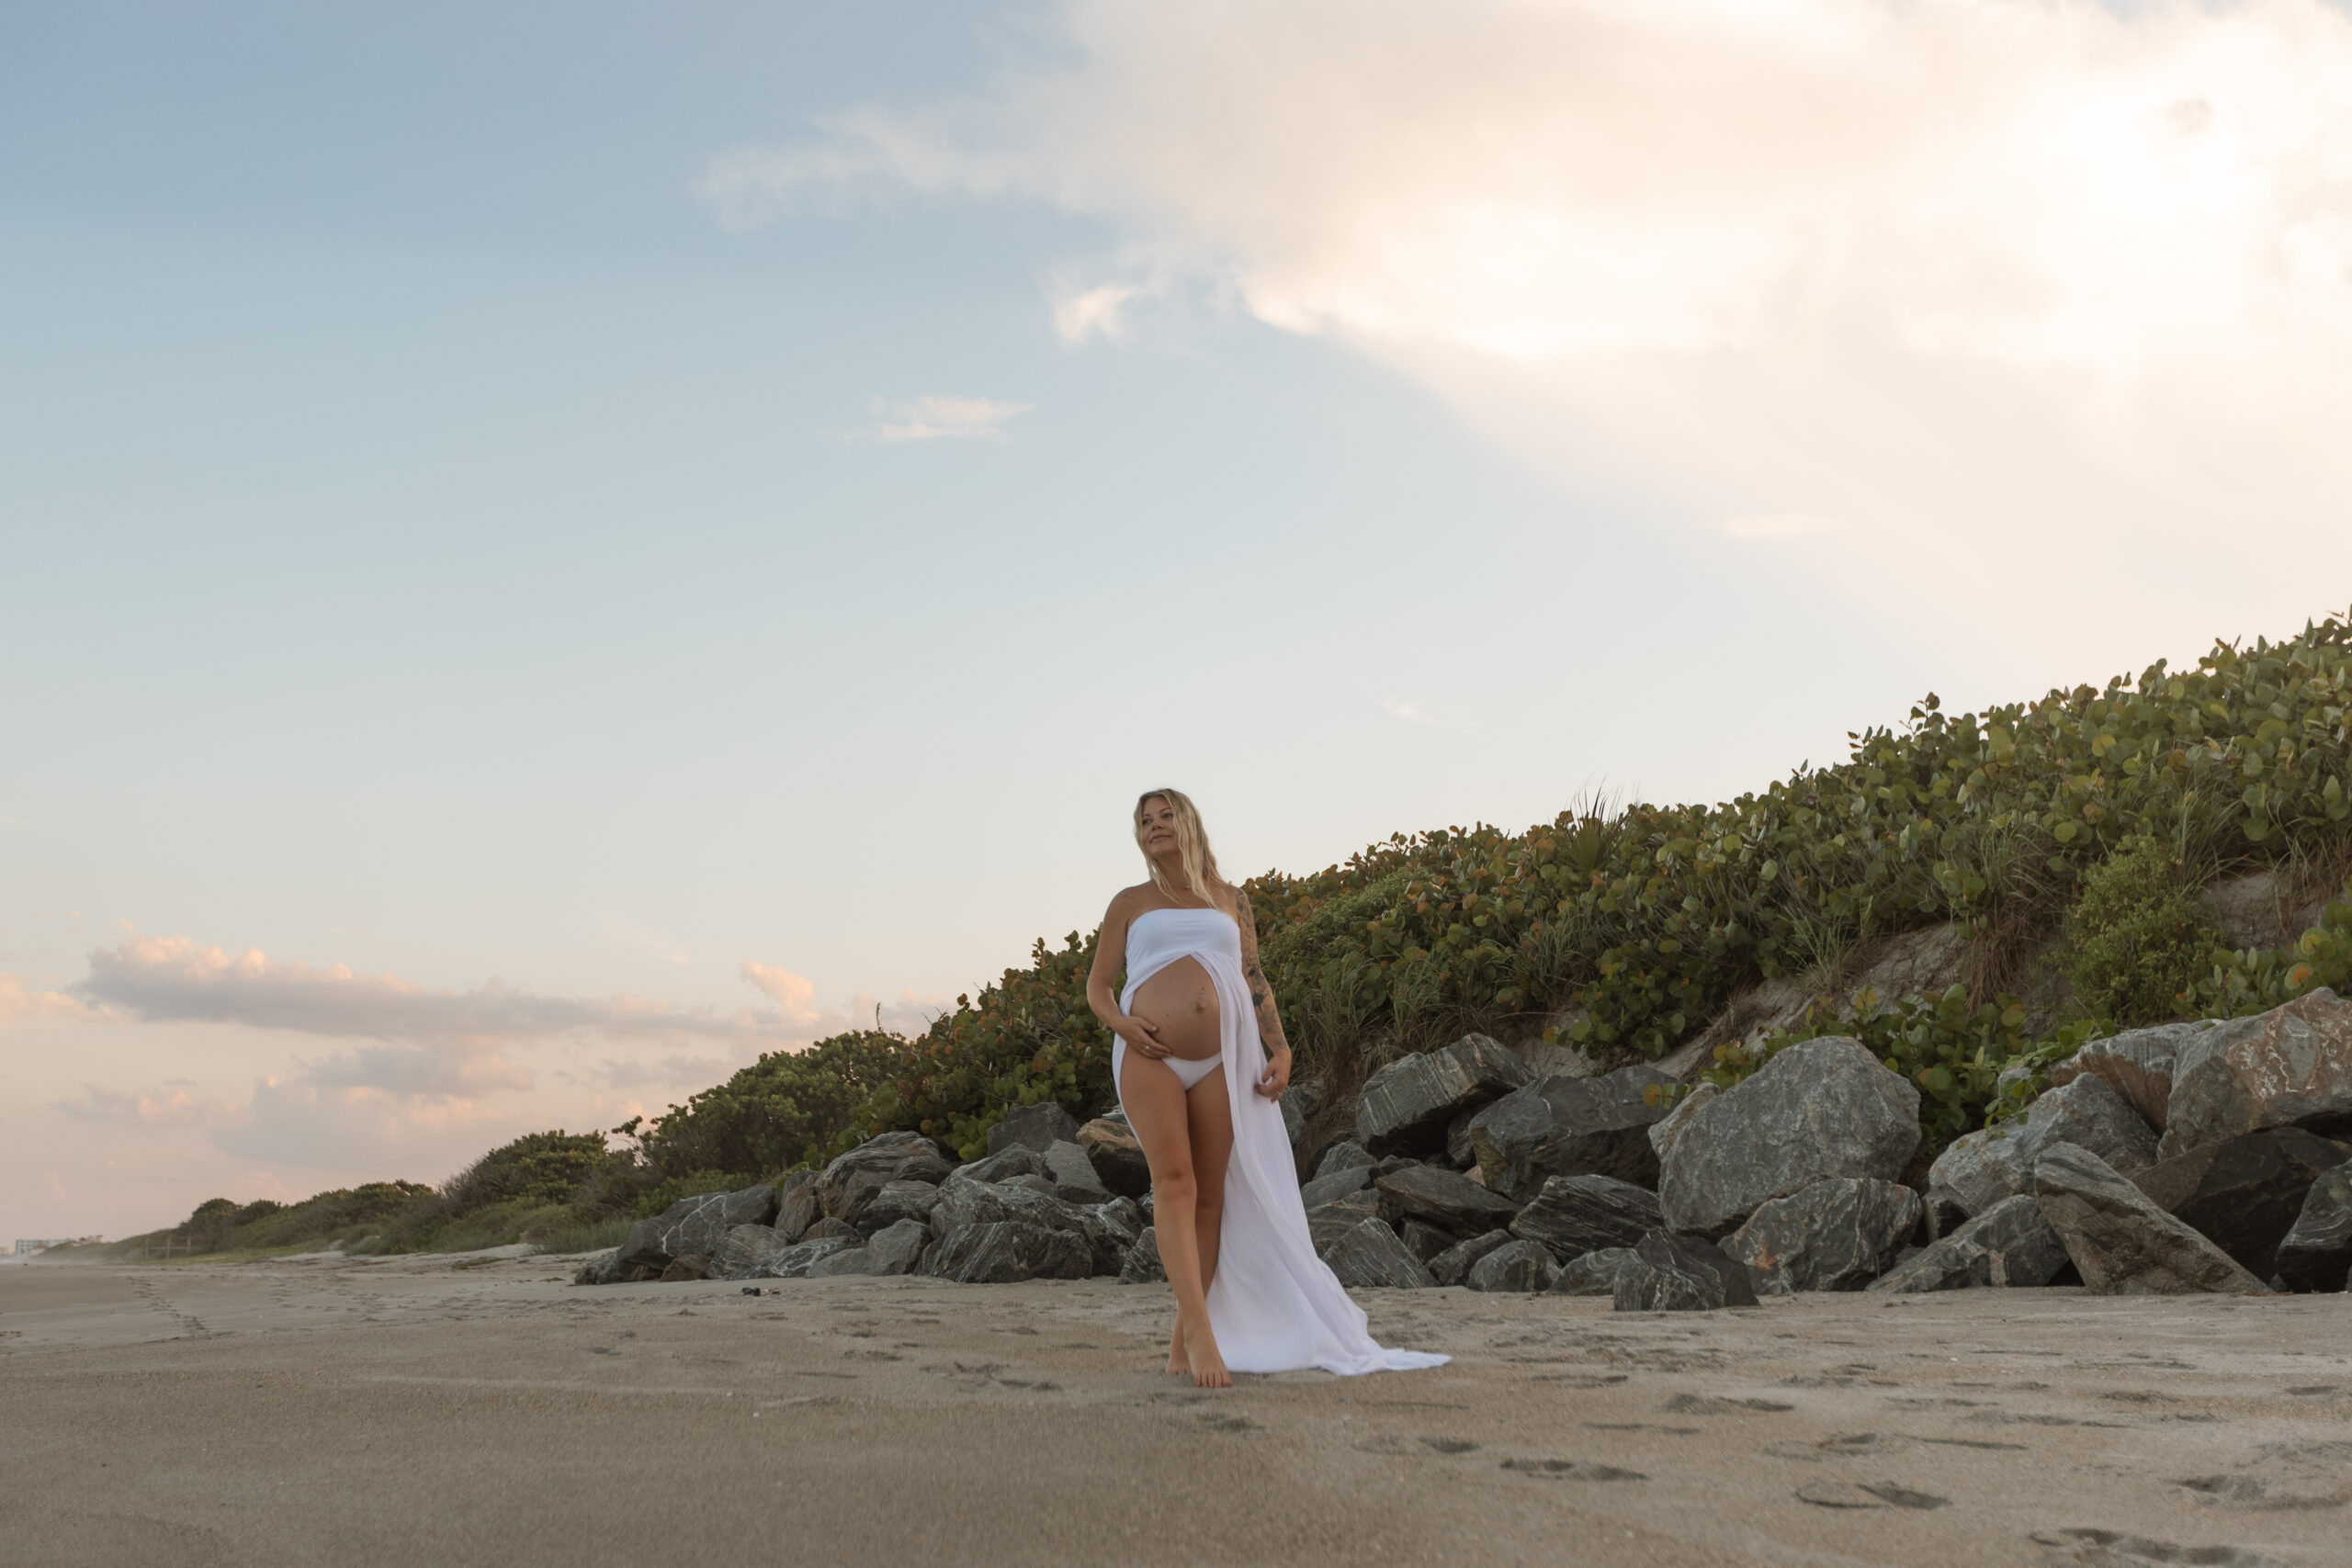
[1209, 1121]
[1157, 1113]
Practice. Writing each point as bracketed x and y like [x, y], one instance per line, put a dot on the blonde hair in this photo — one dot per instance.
[1192, 846]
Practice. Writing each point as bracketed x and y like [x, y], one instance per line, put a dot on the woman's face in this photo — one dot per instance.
[1159, 831]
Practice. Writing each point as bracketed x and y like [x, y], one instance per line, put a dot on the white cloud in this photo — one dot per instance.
[944, 417]
[20, 1004]
[1082, 311]
[2047, 283]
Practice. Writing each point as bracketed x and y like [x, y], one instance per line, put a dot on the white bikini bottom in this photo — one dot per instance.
[1187, 1070]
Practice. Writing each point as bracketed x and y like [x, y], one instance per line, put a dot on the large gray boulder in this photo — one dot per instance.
[1039, 1127]
[2290, 1067]
[1594, 1273]
[1073, 1174]
[1837, 1235]
[1143, 1266]
[1564, 1126]
[1112, 1230]
[2316, 1254]
[1667, 1128]
[1453, 1265]
[898, 1200]
[1336, 1184]
[1575, 1214]
[744, 1250]
[795, 1261]
[1820, 1107]
[2008, 1243]
[1006, 1251]
[1117, 1154]
[2137, 1064]
[895, 1249]
[1345, 1153]
[1012, 1160]
[1371, 1255]
[2120, 1241]
[1406, 1106]
[2242, 1194]
[963, 1204]
[1446, 1199]
[1983, 1167]
[1516, 1265]
[850, 1182]
[690, 1227]
[796, 1205]
[1327, 1222]
[1680, 1273]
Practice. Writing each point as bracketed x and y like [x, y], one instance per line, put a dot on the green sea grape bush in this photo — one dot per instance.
[2137, 948]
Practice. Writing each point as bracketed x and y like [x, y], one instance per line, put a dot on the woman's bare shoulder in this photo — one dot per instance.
[1128, 901]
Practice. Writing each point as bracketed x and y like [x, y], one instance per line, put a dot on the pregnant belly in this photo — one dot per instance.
[1181, 1003]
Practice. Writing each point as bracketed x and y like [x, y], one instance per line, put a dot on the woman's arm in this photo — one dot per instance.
[1103, 982]
[1262, 998]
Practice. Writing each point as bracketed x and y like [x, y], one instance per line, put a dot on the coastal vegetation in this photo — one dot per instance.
[2065, 839]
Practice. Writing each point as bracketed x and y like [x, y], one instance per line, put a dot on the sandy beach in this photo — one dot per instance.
[480, 1410]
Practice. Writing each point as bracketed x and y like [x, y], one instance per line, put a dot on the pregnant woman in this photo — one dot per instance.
[1199, 1064]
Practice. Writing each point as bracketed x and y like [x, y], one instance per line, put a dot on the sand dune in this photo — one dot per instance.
[480, 1411]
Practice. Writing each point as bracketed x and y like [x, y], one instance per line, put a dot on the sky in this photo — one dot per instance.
[547, 550]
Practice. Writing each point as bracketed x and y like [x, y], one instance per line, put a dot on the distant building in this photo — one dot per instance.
[24, 1247]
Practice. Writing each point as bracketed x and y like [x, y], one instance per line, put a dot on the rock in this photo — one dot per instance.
[1682, 1273]
[1336, 1184]
[895, 1249]
[1594, 1273]
[1014, 1159]
[2290, 1067]
[1561, 1061]
[1329, 1222]
[1072, 1174]
[1117, 1154]
[1041, 1185]
[851, 1180]
[1983, 1168]
[1459, 1151]
[693, 1266]
[2316, 1253]
[963, 1204]
[1006, 1251]
[1406, 1105]
[829, 1228]
[1521, 1266]
[1575, 1214]
[2120, 1241]
[1111, 1230]
[1562, 1126]
[795, 1261]
[1442, 1198]
[1143, 1266]
[1667, 1128]
[692, 1226]
[2008, 1243]
[1424, 1242]
[1371, 1255]
[1837, 1235]
[2137, 1064]
[744, 1250]
[1453, 1265]
[1820, 1107]
[1345, 1153]
[899, 1201]
[2242, 1194]
[598, 1270]
[1296, 1105]
[796, 1205]
[1039, 1127]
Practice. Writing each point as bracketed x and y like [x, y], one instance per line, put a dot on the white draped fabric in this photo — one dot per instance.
[1275, 1306]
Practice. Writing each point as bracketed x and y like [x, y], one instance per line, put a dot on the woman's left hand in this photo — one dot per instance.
[1276, 1077]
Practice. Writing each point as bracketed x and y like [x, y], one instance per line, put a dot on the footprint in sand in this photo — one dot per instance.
[1450, 1445]
[1572, 1469]
[2113, 1549]
[1708, 1404]
[1867, 1494]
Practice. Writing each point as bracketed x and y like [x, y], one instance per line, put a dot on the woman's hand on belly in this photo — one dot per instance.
[1141, 1034]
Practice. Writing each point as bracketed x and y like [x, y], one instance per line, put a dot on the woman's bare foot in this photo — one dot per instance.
[1208, 1367]
[1179, 1364]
